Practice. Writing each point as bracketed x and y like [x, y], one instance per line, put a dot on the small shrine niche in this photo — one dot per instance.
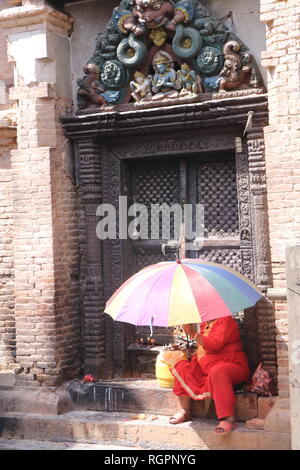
[160, 51]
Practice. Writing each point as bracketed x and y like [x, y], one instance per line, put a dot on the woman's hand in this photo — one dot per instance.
[189, 329]
[199, 339]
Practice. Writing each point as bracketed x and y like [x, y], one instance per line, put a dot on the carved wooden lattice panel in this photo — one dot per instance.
[143, 259]
[217, 191]
[155, 183]
[228, 257]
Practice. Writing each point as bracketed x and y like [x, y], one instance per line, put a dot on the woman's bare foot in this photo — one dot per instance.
[180, 417]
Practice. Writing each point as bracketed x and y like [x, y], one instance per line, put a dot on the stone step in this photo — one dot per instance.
[146, 396]
[125, 429]
[35, 400]
[7, 379]
[14, 444]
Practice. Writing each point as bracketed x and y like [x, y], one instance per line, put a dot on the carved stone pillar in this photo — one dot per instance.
[92, 297]
[265, 317]
[258, 194]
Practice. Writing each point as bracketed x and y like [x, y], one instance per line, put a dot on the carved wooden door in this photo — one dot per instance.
[153, 182]
[210, 180]
[213, 184]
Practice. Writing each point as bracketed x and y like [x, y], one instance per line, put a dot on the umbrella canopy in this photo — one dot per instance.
[174, 293]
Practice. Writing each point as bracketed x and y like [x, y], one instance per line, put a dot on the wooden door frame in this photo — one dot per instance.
[103, 140]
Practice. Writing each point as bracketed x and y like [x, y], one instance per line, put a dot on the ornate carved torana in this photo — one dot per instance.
[154, 51]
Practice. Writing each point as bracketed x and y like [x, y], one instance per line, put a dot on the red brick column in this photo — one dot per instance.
[7, 143]
[44, 199]
[282, 141]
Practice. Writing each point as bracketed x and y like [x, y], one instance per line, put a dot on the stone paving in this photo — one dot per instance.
[14, 444]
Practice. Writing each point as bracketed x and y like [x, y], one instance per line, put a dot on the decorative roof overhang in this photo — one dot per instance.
[214, 114]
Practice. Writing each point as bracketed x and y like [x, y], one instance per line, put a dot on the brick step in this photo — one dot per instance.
[123, 429]
[145, 396]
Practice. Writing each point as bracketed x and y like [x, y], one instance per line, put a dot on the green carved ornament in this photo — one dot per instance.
[187, 42]
[210, 60]
[113, 74]
[132, 52]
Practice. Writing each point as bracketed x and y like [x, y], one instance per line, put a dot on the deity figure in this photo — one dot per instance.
[189, 80]
[91, 90]
[151, 14]
[237, 69]
[165, 83]
[141, 87]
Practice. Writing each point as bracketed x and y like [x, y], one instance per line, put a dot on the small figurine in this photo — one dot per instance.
[164, 83]
[91, 90]
[234, 74]
[158, 36]
[189, 80]
[141, 87]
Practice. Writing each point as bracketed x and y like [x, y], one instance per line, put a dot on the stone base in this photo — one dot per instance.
[279, 418]
[145, 396]
[255, 424]
[42, 400]
[125, 429]
[265, 405]
[7, 379]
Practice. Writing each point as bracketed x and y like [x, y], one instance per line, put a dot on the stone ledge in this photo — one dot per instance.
[7, 379]
[125, 429]
[279, 418]
[145, 396]
[42, 400]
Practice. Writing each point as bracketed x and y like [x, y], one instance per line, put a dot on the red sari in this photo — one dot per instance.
[216, 367]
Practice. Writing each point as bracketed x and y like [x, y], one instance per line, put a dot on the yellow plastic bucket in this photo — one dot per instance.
[163, 374]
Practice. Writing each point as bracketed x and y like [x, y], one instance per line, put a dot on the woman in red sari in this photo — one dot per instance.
[218, 364]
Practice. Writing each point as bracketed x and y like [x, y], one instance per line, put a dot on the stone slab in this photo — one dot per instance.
[279, 418]
[145, 396]
[265, 404]
[125, 429]
[7, 379]
[38, 400]
[255, 423]
[14, 444]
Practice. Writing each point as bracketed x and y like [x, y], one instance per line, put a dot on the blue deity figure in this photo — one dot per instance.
[165, 82]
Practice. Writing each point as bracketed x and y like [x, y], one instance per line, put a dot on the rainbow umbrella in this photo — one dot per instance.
[173, 293]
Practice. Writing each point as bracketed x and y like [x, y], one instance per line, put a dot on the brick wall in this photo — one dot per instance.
[7, 142]
[7, 320]
[46, 255]
[282, 139]
[44, 206]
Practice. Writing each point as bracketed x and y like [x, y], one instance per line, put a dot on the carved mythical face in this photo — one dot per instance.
[153, 12]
